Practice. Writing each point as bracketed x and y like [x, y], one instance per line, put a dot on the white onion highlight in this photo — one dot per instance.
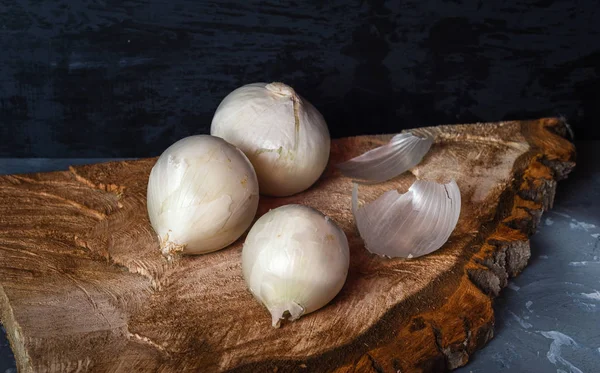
[295, 259]
[202, 195]
[409, 225]
[403, 152]
[282, 134]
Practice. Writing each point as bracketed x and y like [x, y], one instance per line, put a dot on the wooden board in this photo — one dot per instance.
[83, 286]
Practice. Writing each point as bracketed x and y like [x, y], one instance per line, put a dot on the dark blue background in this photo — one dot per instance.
[92, 78]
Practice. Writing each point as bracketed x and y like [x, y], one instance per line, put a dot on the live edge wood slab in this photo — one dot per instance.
[83, 286]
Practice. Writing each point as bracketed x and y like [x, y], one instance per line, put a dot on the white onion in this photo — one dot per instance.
[403, 152]
[295, 259]
[409, 225]
[283, 135]
[202, 195]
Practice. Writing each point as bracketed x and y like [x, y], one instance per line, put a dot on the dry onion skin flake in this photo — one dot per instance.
[403, 152]
[408, 225]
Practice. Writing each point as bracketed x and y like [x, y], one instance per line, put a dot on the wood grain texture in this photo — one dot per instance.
[93, 78]
[83, 286]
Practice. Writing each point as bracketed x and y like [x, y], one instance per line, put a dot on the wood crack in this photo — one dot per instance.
[108, 260]
[52, 183]
[470, 139]
[467, 329]
[374, 364]
[98, 214]
[456, 354]
[109, 188]
[83, 208]
[437, 333]
[91, 300]
[14, 333]
[146, 341]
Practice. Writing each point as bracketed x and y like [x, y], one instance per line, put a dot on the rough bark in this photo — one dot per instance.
[83, 286]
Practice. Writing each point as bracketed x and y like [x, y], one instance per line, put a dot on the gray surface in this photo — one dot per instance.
[548, 320]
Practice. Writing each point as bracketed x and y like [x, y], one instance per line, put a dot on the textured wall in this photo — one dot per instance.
[128, 78]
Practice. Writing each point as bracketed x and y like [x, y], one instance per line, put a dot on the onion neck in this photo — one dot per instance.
[284, 90]
[281, 89]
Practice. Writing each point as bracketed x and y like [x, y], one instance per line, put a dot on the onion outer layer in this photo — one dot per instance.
[408, 225]
[403, 152]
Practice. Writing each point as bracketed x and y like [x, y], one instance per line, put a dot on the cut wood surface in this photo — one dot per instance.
[83, 286]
